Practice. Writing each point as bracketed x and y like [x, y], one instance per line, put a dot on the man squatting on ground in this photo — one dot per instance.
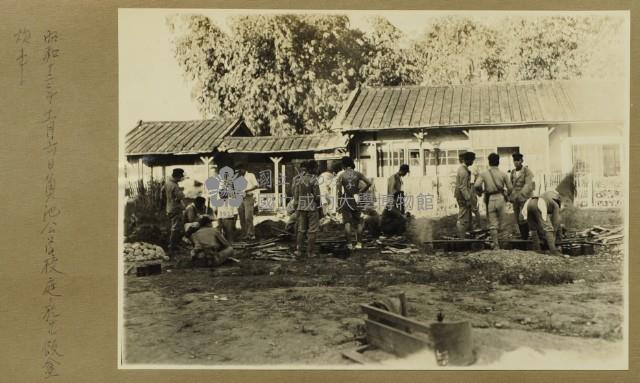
[497, 186]
[543, 217]
[209, 244]
[523, 186]
[306, 197]
[348, 190]
[174, 207]
[464, 194]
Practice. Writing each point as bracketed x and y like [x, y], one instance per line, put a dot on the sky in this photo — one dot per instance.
[151, 84]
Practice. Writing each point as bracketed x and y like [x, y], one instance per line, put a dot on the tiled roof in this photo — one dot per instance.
[279, 144]
[502, 103]
[178, 137]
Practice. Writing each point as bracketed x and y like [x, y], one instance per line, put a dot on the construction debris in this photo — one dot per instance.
[598, 235]
[390, 330]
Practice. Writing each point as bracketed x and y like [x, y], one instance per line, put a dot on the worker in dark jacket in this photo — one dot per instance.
[306, 197]
[497, 186]
[174, 206]
[543, 217]
[463, 194]
[523, 186]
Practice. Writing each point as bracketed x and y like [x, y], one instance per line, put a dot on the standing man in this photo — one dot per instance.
[306, 197]
[523, 186]
[174, 196]
[348, 190]
[497, 186]
[245, 211]
[394, 188]
[325, 182]
[464, 194]
[543, 217]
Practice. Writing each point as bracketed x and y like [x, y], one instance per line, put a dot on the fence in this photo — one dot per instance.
[433, 196]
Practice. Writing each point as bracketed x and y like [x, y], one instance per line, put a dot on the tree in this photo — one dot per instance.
[284, 73]
[567, 47]
[456, 50]
[388, 63]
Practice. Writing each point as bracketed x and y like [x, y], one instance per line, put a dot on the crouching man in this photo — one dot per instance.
[210, 244]
[543, 217]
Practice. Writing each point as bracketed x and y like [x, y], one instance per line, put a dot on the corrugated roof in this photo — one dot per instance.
[280, 144]
[532, 102]
[178, 137]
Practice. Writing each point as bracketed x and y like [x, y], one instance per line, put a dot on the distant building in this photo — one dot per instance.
[559, 126]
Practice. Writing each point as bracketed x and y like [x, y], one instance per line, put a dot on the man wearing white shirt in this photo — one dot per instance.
[245, 211]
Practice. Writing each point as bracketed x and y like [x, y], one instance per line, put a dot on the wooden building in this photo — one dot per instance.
[559, 126]
[154, 148]
[279, 157]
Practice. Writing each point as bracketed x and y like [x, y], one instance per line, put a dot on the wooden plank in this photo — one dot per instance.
[376, 121]
[402, 322]
[428, 107]
[536, 110]
[524, 103]
[400, 107]
[358, 356]
[445, 115]
[474, 113]
[465, 105]
[485, 110]
[494, 104]
[405, 120]
[373, 109]
[514, 104]
[438, 101]
[392, 340]
[503, 100]
[388, 113]
[364, 108]
[213, 136]
[163, 139]
[456, 102]
[417, 111]
[356, 107]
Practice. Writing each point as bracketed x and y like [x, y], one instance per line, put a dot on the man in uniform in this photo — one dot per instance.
[543, 217]
[464, 194]
[306, 197]
[394, 188]
[496, 185]
[174, 206]
[348, 189]
[523, 186]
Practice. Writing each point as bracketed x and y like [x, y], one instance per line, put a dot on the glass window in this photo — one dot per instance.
[611, 160]
[414, 157]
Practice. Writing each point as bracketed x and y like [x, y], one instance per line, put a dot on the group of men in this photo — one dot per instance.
[312, 197]
[191, 221]
[536, 216]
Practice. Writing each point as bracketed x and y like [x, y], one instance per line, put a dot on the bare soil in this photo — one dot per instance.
[307, 311]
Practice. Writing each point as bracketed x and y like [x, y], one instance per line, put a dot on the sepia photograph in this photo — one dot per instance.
[401, 190]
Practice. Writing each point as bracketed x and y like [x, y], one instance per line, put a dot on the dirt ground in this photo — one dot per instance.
[305, 312]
